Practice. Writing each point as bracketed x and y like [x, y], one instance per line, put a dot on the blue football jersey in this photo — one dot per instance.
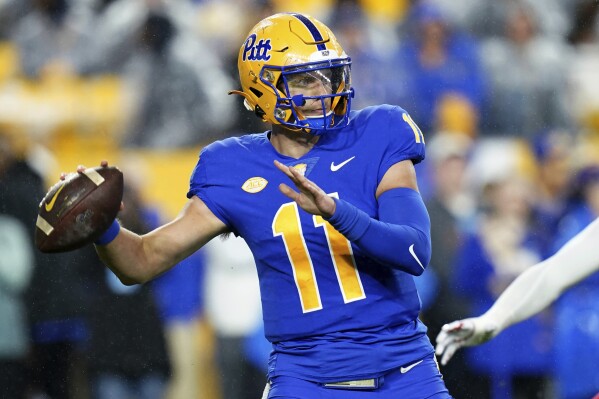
[330, 311]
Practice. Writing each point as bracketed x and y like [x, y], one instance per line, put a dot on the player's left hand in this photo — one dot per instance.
[310, 197]
[467, 332]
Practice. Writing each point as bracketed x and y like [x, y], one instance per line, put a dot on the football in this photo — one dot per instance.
[78, 209]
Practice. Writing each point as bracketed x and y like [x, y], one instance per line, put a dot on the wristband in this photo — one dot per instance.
[110, 234]
[349, 220]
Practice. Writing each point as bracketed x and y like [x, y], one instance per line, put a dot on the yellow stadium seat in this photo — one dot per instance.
[386, 11]
[9, 61]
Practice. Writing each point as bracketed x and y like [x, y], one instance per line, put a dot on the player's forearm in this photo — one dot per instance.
[539, 286]
[400, 239]
[133, 258]
[400, 247]
[527, 295]
[137, 259]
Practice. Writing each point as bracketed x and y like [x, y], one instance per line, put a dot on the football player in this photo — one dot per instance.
[327, 201]
[528, 294]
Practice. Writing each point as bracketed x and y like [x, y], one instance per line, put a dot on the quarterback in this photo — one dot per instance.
[327, 201]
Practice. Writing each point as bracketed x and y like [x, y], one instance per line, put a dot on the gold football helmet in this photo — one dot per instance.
[293, 72]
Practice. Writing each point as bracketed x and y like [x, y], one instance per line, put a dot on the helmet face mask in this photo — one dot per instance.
[294, 73]
[311, 93]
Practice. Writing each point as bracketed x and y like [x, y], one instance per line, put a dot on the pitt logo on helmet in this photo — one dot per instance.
[256, 51]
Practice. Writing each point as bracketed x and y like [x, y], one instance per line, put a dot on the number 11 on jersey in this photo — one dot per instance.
[286, 224]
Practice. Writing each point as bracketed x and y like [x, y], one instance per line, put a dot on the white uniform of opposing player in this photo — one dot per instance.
[531, 292]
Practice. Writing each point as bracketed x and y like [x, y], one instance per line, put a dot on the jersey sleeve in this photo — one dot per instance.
[201, 185]
[403, 139]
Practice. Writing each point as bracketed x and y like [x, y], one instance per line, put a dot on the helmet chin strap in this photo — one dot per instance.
[315, 124]
[312, 124]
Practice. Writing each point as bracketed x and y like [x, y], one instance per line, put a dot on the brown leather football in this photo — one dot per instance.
[77, 210]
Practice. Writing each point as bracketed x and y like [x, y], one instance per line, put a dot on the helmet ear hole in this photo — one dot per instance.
[259, 112]
[256, 92]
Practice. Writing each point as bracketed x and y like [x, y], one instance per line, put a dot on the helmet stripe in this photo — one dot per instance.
[313, 30]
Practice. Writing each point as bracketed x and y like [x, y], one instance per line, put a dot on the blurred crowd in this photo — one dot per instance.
[505, 91]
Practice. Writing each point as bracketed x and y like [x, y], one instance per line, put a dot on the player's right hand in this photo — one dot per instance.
[467, 332]
[81, 169]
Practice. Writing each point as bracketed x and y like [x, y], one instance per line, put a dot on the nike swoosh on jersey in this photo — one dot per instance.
[50, 204]
[410, 367]
[411, 249]
[335, 168]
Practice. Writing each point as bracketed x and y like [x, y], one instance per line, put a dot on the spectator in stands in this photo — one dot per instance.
[11, 12]
[577, 311]
[459, 11]
[434, 60]
[354, 29]
[583, 63]
[57, 295]
[552, 152]
[171, 103]
[59, 300]
[114, 23]
[502, 246]
[234, 311]
[527, 72]
[486, 17]
[180, 299]
[53, 38]
[16, 266]
[174, 79]
[452, 207]
[127, 350]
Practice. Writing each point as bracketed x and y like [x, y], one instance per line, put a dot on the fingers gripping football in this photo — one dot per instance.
[79, 208]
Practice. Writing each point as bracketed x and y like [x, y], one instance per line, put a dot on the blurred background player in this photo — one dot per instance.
[530, 293]
[16, 267]
[233, 311]
[128, 358]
